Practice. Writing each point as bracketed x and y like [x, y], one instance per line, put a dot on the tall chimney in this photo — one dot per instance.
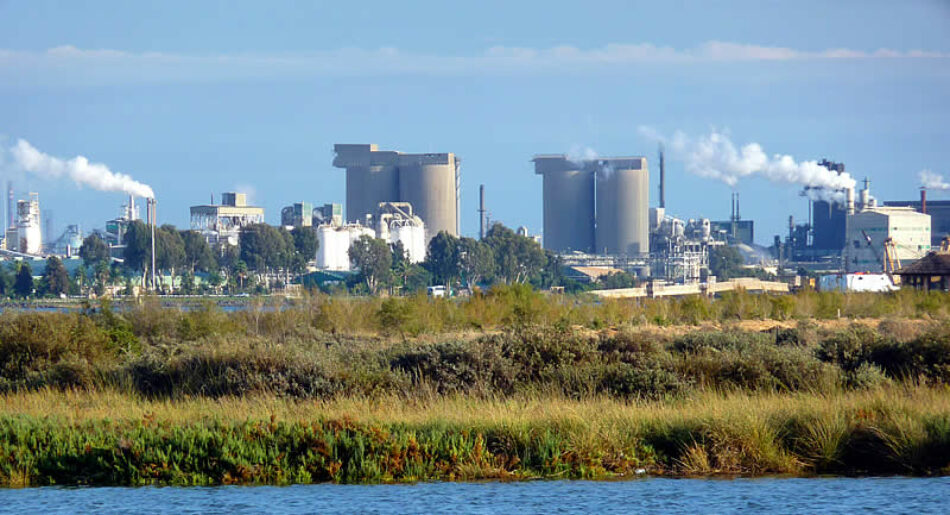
[481, 212]
[923, 200]
[850, 200]
[662, 179]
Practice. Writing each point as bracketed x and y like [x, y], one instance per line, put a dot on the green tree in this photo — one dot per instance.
[305, 242]
[93, 250]
[7, 278]
[442, 258]
[476, 261]
[55, 277]
[169, 251]
[102, 276]
[263, 249]
[23, 285]
[725, 262]
[373, 258]
[138, 248]
[198, 254]
[517, 258]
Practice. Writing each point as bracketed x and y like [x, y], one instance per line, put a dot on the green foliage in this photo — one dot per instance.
[55, 277]
[373, 258]
[517, 258]
[93, 251]
[23, 284]
[198, 254]
[725, 262]
[442, 258]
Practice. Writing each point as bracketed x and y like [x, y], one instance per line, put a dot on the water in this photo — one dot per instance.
[769, 495]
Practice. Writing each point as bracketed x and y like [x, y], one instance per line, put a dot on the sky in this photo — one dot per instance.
[195, 98]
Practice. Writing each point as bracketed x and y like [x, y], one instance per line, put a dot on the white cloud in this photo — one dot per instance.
[71, 64]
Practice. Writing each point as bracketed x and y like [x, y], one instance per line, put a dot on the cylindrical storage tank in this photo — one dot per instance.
[568, 203]
[623, 206]
[332, 249]
[366, 187]
[413, 239]
[427, 181]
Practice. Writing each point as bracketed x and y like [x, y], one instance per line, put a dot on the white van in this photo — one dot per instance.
[436, 291]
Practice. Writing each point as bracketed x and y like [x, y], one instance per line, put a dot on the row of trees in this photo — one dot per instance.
[502, 257]
[17, 280]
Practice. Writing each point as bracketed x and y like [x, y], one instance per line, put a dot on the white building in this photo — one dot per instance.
[869, 229]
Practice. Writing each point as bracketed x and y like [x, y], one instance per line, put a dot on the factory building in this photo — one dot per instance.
[24, 235]
[939, 211]
[873, 231]
[596, 205]
[828, 218]
[117, 227]
[222, 223]
[299, 214]
[429, 182]
[327, 214]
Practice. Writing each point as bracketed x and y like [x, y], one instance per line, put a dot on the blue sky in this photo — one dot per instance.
[201, 97]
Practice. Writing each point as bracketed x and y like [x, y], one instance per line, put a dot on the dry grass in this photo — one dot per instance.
[596, 413]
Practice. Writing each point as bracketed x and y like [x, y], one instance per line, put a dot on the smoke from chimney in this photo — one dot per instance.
[714, 156]
[79, 169]
[932, 181]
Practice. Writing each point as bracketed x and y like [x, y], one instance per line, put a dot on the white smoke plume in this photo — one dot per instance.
[581, 155]
[714, 156]
[79, 169]
[933, 181]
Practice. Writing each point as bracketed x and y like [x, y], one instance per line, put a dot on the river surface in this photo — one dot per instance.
[768, 495]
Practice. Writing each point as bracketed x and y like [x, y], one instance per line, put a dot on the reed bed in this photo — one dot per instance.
[113, 438]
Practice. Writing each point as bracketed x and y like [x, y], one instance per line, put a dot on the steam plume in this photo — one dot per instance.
[714, 156]
[79, 169]
[933, 181]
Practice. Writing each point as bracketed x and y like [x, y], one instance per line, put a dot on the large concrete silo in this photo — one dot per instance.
[623, 185]
[428, 182]
[568, 199]
[371, 178]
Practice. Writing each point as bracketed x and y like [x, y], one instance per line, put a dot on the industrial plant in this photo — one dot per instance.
[428, 182]
[597, 219]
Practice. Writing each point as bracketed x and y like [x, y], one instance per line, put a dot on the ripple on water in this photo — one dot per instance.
[767, 495]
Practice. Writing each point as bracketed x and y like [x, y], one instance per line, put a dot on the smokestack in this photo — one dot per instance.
[923, 200]
[738, 216]
[850, 200]
[662, 179]
[481, 212]
[131, 207]
[152, 221]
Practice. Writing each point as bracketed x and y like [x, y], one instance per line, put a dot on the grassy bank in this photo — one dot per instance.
[51, 437]
[511, 384]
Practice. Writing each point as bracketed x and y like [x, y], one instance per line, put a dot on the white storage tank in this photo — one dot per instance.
[334, 245]
[413, 239]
